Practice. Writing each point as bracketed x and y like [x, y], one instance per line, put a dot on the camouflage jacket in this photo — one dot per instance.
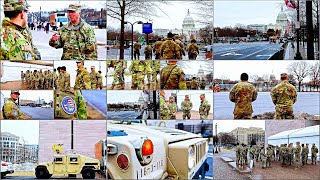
[78, 42]
[172, 108]
[157, 47]
[243, 94]
[204, 107]
[137, 47]
[164, 110]
[170, 50]
[284, 94]
[297, 150]
[172, 77]
[314, 150]
[193, 49]
[11, 110]
[16, 42]
[94, 77]
[186, 105]
[82, 79]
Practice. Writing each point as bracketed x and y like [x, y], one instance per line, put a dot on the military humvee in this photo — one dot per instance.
[137, 151]
[68, 165]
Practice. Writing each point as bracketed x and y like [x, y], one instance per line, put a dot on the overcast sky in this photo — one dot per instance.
[175, 12]
[233, 69]
[229, 125]
[61, 4]
[230, 13]
[28, 129]
[123, 96]
[47, 95]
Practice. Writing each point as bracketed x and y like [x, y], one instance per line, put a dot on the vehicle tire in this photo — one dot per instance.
[3, 175]
[88, 174]
[42, 173]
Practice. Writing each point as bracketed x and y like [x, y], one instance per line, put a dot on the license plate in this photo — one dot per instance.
[145, 171]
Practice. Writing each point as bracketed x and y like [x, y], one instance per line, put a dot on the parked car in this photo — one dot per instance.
[6, 168]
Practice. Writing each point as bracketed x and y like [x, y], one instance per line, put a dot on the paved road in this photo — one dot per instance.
[41, 41]
[115, 54]
[123, 114]
[245, 51]
[38, 113]
[307, 102]
[97, 99]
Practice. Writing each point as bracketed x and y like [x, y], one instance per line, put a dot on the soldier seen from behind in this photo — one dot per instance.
[172, 76]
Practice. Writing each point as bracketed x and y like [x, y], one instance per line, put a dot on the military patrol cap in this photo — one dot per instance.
[284, 75]
[15, 92]
[15, 5]
[203, 95]
[187, 96]
[74, 7]
[78, 61]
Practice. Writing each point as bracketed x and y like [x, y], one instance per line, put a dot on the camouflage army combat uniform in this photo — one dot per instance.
[284, 95]
[170, 50]
[314, 152]
[194, 84]
[172, 109]
[177, 41]
[238, 154]
[193, 51]
[139, 69]
[78, 42]
[55, 80]
[164, 110]
[118, 75]
[203, 84]
[148, 52]
[269, 156]
[64, 81]
[99, 83]
[243, 94]
[157, 49]
[82, 79]
[70, 105]
[186, 106]
[136, 52]
[204, 109]
[155, 72]
[94, 77]
[297, 151]
[172, 77]
[10, 110]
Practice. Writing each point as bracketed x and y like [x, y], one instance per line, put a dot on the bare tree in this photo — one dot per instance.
[122, 9]
[299, 70]
[314, 74]
[204, 11]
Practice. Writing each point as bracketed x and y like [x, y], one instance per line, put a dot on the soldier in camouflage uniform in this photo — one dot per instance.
[188, 83]
[164, 109]
[22, 75]
[56, 78]
[204, 107]
[172, 77]
[83, 77]
[10, 109]
[297, 151]
[118, 76]
[257, 152]
[269, 156]
[290, 154]
[156, 49]
[194, 84]
[136, 52]
[252, 152]
[77, 38]
[303, 154]
[99, 84]
[243, 156]
[27, 78]
[172, 108]
[148, 52]
[314, 152]
[94, 76]
[155, 72]
[169, 49]
[284, 152]
[41, 79]
[284, 95]
[193, 50]
[263, 158]
[50, 79]
[243, 94]
[36, 79]
[176, 40]
[15, 37]
[306, 153]
[70, 105]
[139, 69]
[203, 84]
[64, 79]
[186, 106]
[238, 154]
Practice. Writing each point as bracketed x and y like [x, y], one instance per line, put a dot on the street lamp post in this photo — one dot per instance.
[139, 22]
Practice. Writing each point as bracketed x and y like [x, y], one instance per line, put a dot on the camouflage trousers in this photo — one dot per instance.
[297, 160]
[164, 116]
[117, 87]
[157, 56]
[314, 158]
[283, 113]
[268, 163]
[154, 78]
[237, 159]
[192, 56]
[148, 56]
[186, 114]
[203, 116]
[139, 80]
[93, 86]
[149, 78]
[136, 55]
[242, 116]
[290, 159]
[117, 79]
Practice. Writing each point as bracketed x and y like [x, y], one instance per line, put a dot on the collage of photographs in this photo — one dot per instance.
[160, 89]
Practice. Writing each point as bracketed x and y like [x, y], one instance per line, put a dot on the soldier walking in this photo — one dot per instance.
[193, 50]
[148, 52]
[176, 40]
[83, 77]
[157, 48]
[169, 49]
[136, 52]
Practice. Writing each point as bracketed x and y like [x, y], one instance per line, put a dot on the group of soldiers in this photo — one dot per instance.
[284, 95]
[84, 79]
[37, 79]
[77, 38]
[293, 156]
[195, 83]
[168, 109]
[170, 48]
[139, 69]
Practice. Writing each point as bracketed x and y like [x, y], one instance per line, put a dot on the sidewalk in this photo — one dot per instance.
[290, 52]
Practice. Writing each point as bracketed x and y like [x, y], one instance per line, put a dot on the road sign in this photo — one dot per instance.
[147, 28]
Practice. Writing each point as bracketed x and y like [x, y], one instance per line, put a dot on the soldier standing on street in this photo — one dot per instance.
[83, 77]
[77, 38]
[27, 77]
[284, 95]
[164, 110]
[172, 77]
[172, 108]
[263, 158]
[252, 151]
[176, 40]
[41, 79]
[118, 76]
[243, 94]
[169, 49]
[100, 84]
[15, 37]
[186, 106]
[148, 52]
[297, 151]
[203, 84]
[193, 50]
[136, 52]
[65, 79]
[156, 49]
[94, 78]
[314, 152]
[194, 84]
[10, 109]
[204, 107]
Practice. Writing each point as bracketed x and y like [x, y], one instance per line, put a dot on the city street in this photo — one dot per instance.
[307, 103]
[245, 51]
[41, 41]
[37, 113]
[123, 114]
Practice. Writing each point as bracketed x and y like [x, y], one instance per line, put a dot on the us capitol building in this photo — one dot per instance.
[188, 30]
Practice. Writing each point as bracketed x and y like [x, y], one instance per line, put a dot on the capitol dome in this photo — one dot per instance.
[188, 22]
[282, 17]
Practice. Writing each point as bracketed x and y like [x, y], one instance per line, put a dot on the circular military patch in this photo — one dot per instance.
[68, 105]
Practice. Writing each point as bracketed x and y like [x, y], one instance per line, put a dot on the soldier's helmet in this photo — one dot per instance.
[15, 5]
[15, 92]
[74, 7]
